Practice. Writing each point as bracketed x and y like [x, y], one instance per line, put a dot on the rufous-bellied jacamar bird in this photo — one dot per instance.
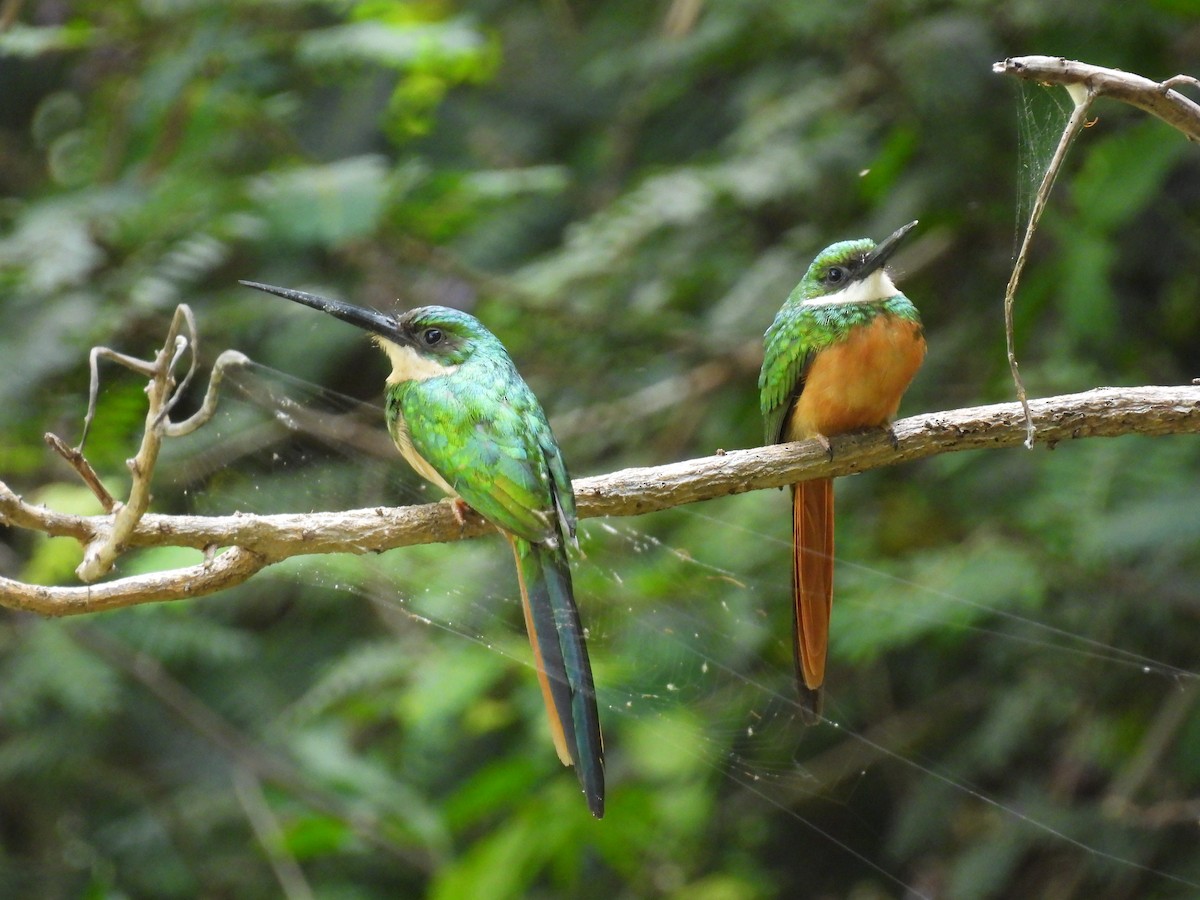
[839, 356]
[463, 417]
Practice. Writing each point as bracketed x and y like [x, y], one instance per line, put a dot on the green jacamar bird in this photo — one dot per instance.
[460, 413]
[839, 356]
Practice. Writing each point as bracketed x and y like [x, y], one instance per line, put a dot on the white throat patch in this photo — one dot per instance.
[875, 287]
[408, 365]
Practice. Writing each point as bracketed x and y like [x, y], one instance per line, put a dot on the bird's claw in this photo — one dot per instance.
[826, 446]
[460, 508]
[892, 439]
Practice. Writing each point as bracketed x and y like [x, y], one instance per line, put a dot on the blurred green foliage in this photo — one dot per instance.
[625, 193]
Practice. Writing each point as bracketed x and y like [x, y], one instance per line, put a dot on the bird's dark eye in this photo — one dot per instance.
[835, 274]
[431, 337]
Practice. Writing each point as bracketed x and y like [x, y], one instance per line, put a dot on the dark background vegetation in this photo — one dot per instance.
[625, 193]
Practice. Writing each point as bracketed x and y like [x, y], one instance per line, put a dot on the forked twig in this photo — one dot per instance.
[163, 393]
[1084, 83]
[100, 554]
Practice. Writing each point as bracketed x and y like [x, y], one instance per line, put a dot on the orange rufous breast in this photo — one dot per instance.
[857, 383]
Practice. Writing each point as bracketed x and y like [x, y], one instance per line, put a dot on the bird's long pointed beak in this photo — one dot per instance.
[366, 319]
[883, 251]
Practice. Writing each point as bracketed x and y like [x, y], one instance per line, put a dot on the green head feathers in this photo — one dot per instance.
[442, 335]
[851, 271]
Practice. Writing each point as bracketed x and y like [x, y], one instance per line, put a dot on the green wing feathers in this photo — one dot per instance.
[788, 352]
[489, 449]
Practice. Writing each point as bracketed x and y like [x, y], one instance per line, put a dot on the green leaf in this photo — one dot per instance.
[51, 668]
[29, 41]
[1122, 174]
[324, 205]
[314, 836]
[395, 45]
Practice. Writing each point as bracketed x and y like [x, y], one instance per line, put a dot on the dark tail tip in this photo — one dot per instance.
[812, 701]
[595, 802]
[589, 759]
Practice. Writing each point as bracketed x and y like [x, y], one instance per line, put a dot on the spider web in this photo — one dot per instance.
[691, 650]
[1042, 114]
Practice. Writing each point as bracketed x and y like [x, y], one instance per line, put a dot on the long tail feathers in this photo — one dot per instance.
[812, 587]
[564, 672]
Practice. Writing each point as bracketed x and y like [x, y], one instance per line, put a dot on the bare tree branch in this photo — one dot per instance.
[261, 540]
[226, 570]
[110, 538]
[1156, 98]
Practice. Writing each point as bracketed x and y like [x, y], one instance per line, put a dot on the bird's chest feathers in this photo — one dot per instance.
[858, 382]
[408, 365]
[403, 440]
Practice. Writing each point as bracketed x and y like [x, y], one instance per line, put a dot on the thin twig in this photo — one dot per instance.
[1179, 81]
[229, 359]
[79, 463]
[110, 542]
[143, 368]
[270, 836]
[182, 344]
[1082, 99]
[9, 12]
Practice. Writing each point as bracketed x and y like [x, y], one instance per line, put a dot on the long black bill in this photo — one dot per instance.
[367, 319]
[883, 250]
